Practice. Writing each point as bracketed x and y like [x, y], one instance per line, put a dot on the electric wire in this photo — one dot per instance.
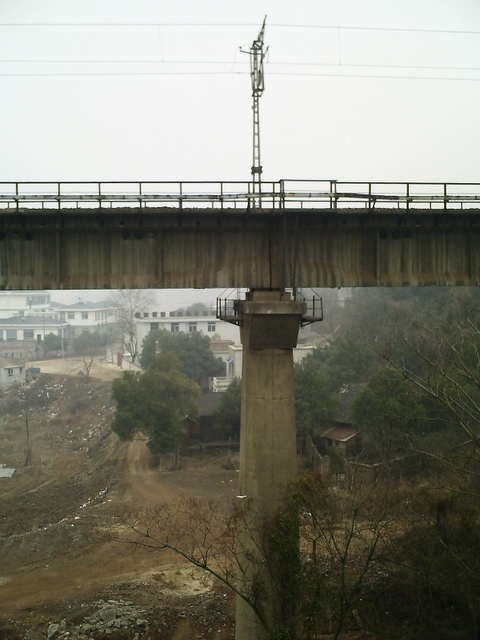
[245, 64]
[234, 73]
[230, 24]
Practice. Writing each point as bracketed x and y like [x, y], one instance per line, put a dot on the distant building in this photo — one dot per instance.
[18, 335]
[86, 316]
[23, 303]
[234, 362]
[206, 429]
[204, 321]
[12, 373]
[27, 316]
[338, 437]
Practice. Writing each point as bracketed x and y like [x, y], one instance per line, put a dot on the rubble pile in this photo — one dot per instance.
[110, 616]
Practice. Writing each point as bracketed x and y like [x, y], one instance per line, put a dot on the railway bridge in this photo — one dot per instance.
[295, 233]
[292, 234]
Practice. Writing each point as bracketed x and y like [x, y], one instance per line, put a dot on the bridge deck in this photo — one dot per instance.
[58, 235]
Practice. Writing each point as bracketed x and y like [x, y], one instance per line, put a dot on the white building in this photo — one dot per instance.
[234, 361]
[30, 328]
[177, 321]
[22, 303]
[86, 316]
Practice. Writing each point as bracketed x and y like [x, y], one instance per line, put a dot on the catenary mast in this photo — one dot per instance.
[257, 56]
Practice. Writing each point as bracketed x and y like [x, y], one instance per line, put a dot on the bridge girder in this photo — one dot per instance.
[272, 248]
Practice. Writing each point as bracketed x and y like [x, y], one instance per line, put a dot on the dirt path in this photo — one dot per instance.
[144, 485]
[92, 567]
[101, 370]
[89, 569]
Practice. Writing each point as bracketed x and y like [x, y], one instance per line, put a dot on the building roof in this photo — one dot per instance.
[340, 433]
[220, 345]
[207, 403]
[11, 362]
[38, 321]
[85, 306]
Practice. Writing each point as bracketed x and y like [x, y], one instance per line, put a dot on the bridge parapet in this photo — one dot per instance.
[283, 194]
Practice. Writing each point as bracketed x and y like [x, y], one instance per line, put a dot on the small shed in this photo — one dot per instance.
[206, 428]
[12, 373]
[341, 438]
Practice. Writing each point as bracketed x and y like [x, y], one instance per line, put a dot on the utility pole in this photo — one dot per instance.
[257, 56]
[28, 458]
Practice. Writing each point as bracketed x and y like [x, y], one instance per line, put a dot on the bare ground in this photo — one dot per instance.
[53, 563]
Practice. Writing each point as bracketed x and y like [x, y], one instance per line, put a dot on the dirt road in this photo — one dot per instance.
[101, 369]
[90, 568]
[54, 554]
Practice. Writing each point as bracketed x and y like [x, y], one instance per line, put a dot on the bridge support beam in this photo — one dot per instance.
[269, 329]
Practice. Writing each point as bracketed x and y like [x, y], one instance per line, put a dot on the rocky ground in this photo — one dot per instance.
[60, 576]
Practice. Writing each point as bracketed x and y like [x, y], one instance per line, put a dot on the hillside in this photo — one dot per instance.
[57, 566]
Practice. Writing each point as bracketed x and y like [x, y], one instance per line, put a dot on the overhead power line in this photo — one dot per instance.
[233, 73]
[229, 24]
[343, 65]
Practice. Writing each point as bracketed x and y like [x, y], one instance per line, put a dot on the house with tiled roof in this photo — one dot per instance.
[340, 438]
[25, 328]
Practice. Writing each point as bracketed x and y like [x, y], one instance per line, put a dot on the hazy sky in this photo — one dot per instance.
[156, 90]
[341, 99]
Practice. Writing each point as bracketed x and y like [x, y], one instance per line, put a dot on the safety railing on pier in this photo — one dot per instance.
[228, 305]
[283, 194]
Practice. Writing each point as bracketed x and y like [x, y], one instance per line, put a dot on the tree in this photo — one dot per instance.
[192, 350]
[391, 410]
[293, 589]
[88, 343]
[128, 303]
[154, 403]
[229, 407]
[314, 400]
[52, 342]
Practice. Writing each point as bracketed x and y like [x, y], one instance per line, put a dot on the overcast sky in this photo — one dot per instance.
[154, 90]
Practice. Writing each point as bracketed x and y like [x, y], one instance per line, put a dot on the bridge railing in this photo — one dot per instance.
[283, 194]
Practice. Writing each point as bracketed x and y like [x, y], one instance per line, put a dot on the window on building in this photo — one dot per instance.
[1, 335]
[174, 327]
[11, 335]
[36, 300]
[192, 326]
[28, 334]
[70, 332]
[154, 326]
[10, 372]
[211, 326]
[84, 315]
[71, 315]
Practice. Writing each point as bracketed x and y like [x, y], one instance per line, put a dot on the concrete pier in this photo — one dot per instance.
[269, 328]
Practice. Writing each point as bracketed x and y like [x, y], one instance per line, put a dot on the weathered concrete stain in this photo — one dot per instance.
[269, 249]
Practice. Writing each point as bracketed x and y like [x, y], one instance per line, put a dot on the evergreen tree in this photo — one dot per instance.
[191, 349]
[154, 403]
